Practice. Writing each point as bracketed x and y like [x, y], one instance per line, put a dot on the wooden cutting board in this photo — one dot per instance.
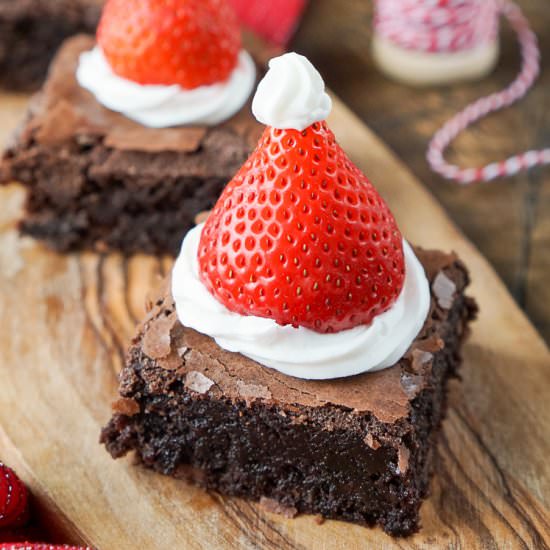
[65, 322]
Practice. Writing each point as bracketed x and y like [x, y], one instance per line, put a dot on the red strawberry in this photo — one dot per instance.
[37, 546]
[300, 235]
[186, 42]
[13, 499]
[274, 20]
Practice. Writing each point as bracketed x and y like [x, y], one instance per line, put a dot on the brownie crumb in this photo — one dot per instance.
[319, 520]
[275, 507]
[126, 406]
[372, 442]
[171, 362]
[157, 342]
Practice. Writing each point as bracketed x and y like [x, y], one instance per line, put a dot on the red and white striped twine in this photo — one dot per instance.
[456, 25]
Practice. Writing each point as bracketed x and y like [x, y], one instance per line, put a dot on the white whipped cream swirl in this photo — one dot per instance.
[301, 352]
[291, 94]
[158, 106]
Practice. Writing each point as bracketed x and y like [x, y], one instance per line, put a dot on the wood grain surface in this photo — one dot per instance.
[66, 322]
[508, 220]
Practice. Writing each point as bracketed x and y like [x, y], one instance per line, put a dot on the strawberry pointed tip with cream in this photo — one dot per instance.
[300, 252]
[300, 235]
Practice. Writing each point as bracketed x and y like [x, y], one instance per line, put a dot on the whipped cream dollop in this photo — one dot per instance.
[291, 94]
[301, 352]
[158, 106]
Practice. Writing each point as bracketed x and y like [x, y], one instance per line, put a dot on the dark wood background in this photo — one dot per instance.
[509, 219]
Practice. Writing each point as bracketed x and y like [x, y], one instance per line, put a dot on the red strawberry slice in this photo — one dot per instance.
[13, 499]
[301, 236]
[275, 20]
[186, 42]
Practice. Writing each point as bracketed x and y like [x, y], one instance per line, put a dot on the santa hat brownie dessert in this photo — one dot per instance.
[252, 373]
[169, 63]
[137, 130]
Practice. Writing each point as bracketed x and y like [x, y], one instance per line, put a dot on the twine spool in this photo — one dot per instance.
[439, 41]
[426, 42]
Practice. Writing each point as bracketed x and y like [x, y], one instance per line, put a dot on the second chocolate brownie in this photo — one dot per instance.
[97, 180]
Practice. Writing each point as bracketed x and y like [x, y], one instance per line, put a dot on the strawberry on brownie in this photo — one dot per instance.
[311, 210]
[133, 134]
[154, 43]
[299, 355]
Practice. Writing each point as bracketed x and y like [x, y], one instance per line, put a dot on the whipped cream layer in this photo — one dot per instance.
[291, 94]
[159, 106]
[301, 352]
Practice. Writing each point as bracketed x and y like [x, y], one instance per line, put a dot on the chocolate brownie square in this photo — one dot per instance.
[97, 180]
[32, 30]
[358, 449]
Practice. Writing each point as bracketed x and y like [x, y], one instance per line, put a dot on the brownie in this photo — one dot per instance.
[97, 180]
[32, 30]
[358, 449]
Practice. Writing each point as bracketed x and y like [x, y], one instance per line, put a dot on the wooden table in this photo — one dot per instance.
[68, 319]
[508, 220]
